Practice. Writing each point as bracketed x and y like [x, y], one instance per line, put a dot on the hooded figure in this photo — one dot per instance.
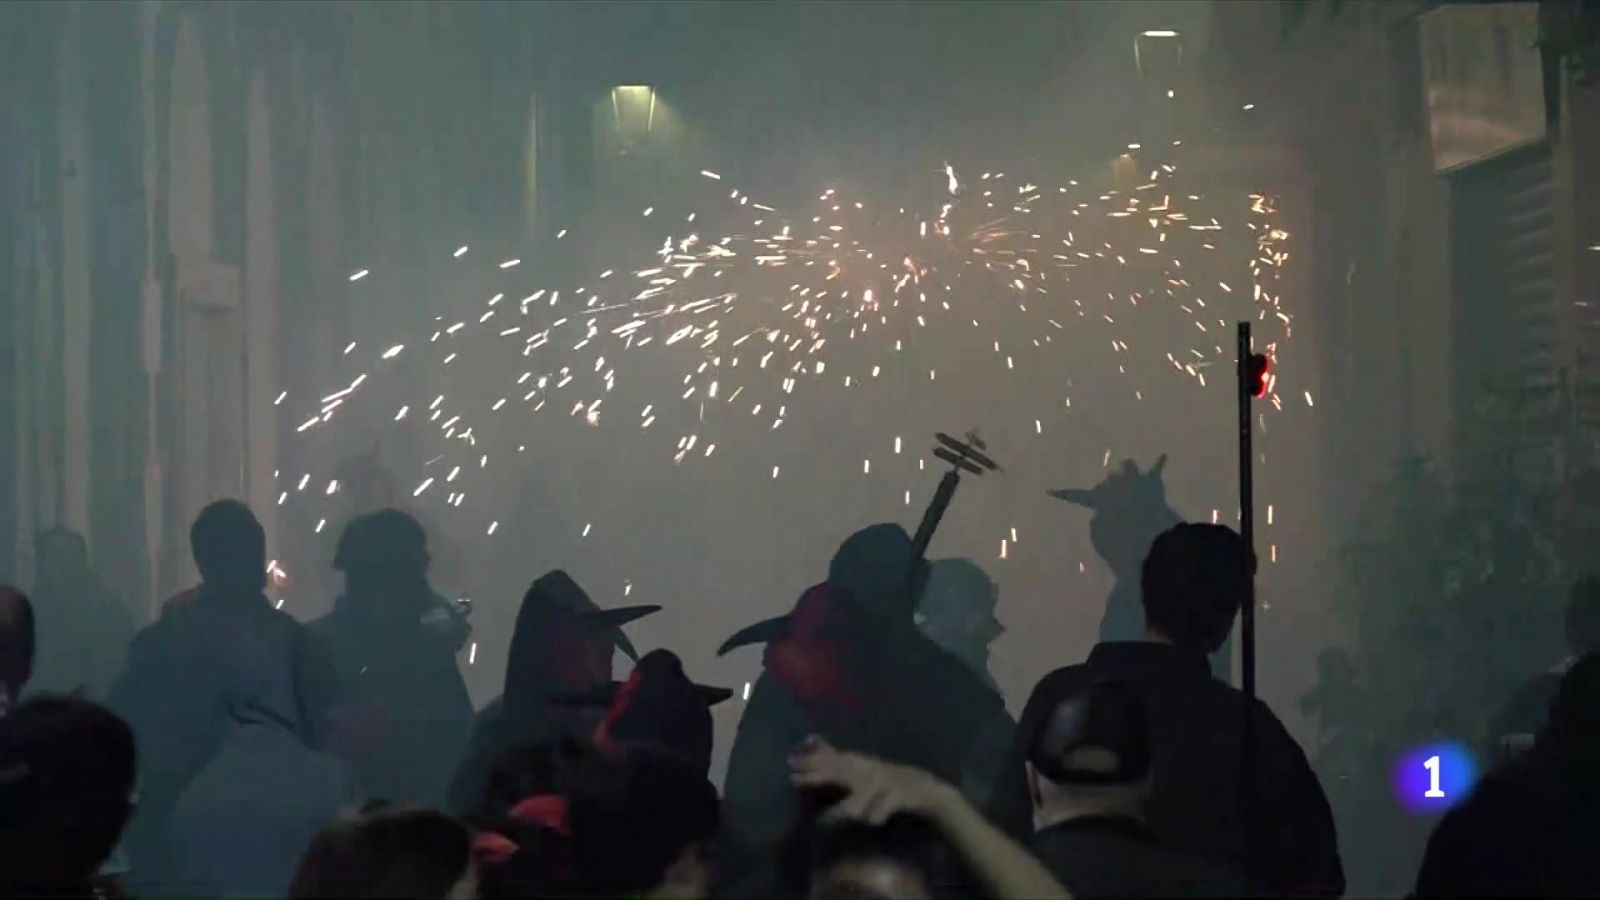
[182, 669]
[242, 825]
[403, 714]
[562, 643]
[1130, 511]
[956, 612]
[658, 708]
[850, 665]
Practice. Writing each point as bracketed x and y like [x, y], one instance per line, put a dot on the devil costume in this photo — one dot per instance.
[657, 708]
[562, 644]
[850, 665]
[1130, 512]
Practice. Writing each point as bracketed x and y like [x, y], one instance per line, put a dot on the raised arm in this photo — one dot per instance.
[878, 790]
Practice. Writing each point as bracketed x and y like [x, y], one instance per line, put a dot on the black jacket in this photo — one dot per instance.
[1196, 730]
[495, 731]
[917, 705]
[403, 716]
[1527, 830]
[1120, 857]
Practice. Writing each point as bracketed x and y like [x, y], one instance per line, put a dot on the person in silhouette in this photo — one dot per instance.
[418, 854]
[1192, 585]
[366, 484]
[1513, 727]
[880, 829]
[1528, 828]
[182, 668]
[850, 665]
[403, 715]
[86, 628]
[1088, 775]
[66, 789]
[564, 820]
[243, 822]
[658, 708]
[956, 611]
[16, 646]
[1130, 511]
[562, 643]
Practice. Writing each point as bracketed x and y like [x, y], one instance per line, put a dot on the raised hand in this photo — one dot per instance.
[876, 790]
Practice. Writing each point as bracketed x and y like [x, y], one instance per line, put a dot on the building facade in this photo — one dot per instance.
[188, 187]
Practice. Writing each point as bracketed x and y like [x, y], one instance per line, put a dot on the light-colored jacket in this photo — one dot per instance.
[242, 824]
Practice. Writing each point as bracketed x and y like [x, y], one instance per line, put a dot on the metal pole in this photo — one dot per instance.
[1247, 614]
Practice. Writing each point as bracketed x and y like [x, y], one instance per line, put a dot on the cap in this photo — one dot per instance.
[1106, 716]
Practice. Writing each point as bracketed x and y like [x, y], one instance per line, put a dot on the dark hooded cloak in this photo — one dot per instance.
[657, 708]
[849, 664]
[562, 643]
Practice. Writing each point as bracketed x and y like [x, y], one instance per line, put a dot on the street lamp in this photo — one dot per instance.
[633, 107]
[1158, 54]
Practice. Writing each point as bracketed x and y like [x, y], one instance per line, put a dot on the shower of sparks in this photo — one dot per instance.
[756, 312]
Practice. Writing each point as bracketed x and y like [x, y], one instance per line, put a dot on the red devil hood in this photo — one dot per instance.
[812, 659]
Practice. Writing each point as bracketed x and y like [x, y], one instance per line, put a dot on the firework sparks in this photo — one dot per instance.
[841, 296]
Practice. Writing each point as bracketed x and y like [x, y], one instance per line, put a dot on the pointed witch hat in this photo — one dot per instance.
[555, 597]
[808, 615]
[872, 563]
[658, 707]
[605, 696]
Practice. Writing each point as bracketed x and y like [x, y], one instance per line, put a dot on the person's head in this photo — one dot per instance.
[877, 568]
[1194, 582]
[230, 547]
[16, 644]
[659, 708]
[1089, 756]
[904, 858]
[1130, 510]
[66, 779]
[563, 642]
[390, 852]
[60, 555]
[957, 606]
[384, 550]
[1573, 726]
[561, 819]
[1583, 617]
[554, 643]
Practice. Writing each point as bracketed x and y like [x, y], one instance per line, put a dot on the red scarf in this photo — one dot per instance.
[603, 738]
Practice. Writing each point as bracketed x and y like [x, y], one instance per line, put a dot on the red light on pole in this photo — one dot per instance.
[1259, 375]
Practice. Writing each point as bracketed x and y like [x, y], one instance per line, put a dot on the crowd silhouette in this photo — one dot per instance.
[228, 750]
